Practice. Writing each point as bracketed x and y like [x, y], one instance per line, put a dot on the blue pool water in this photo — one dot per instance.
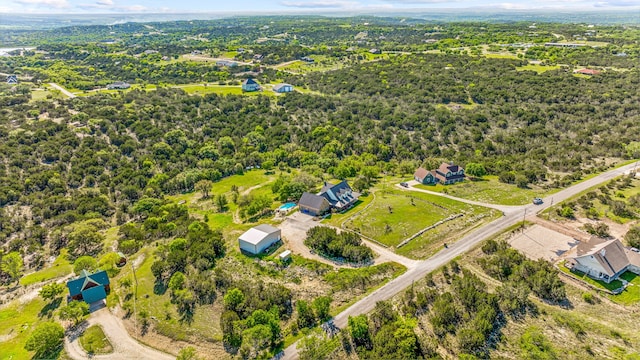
[287, 206]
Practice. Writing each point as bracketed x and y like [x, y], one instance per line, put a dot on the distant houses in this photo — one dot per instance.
[118, 85]
[337, 197]
[89, 287]
[603, 259]
[259, 238]
[567, 45]
[307, 59]
[447, 173]
[588, 72]
[283, 88]
[250, 85]
[12, 79]
[375, 51]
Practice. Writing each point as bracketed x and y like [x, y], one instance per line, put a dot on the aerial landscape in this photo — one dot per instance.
[366, 179]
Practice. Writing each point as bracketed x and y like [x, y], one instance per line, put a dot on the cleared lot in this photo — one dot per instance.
[538, 242]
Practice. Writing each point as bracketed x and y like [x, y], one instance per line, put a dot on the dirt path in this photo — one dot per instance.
[503, 208]
[566, 230]
[124, 346]
[31, 292]
[63, 90]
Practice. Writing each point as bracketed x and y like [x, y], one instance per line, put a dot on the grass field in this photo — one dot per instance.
[537, 68]
[59, 268]
[489, 190]
[394, 215]
[95, 342]
[16, 323]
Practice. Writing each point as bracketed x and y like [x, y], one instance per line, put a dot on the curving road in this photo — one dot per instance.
[465, 244]
[124, 346]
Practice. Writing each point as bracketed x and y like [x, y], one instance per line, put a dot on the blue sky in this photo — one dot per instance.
[295, 6]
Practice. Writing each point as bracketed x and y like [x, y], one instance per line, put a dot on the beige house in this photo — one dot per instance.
[603, 259]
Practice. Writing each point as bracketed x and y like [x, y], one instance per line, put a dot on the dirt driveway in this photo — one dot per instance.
[124, 346]
[294, 231]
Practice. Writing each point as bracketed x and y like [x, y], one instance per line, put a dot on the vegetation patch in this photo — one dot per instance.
[95, 342]
[394, 215]
[345, 246]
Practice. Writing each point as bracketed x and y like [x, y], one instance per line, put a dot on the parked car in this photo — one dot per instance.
[404, 184]
[537, 201]
[635, 250]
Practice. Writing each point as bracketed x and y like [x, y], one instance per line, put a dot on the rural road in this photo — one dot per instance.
[124, 346]
[63, 90]
[465, 244]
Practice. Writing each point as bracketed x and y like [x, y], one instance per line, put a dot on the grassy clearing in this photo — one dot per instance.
[16, 323]
[60, 267]
[500, 56]
[538, 68]
[396, 215]
[489, 190]
[94, 341]
[615, 284]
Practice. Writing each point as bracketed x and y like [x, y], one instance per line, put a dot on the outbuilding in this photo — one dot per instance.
[258, 238]
[283, 88]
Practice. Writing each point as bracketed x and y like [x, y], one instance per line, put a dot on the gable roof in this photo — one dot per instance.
[610, 254]
[258, 233]
[76, 286]
[249, 81]
[312, 201]
[588, 71]
[445, 168]
[421, 173]
[280, 86]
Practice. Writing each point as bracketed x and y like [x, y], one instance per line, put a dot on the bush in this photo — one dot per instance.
[345, 245]
[633, 237]
[45, 340]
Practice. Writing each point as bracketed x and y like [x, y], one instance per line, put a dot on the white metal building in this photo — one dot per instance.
[258, 238]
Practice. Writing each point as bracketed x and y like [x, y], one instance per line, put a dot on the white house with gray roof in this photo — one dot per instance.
[603, 259]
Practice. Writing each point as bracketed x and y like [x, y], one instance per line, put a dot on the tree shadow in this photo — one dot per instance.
[48, 309]
[159, 288]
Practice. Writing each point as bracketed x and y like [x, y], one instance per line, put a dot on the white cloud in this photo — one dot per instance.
[319, 4]
[104, 2]
[59, 4]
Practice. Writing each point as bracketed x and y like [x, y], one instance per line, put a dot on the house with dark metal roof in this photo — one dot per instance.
[250, 85]
[12, 79]
[603, 259]
[89, 287]
[337, 197]
[447, 173]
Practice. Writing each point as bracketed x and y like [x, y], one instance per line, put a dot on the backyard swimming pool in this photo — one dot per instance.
[287, 206]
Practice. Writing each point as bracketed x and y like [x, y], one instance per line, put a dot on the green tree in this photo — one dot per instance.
[51, 291]
[88, 263]
[85, 240]
[359, 329]
[306, 318]
[475, 170]
[187, 353]
[321, 306]
[177, 281]
[45, 340]
[12, 265]
[204, 186]
[75, 310]
[221, 202]
[233, 299]
[633, 237]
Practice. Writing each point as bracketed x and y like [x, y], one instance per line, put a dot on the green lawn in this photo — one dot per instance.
[16, 323]
[59, 268]
[392, 217]
[500, 56]
[630, 296]
[616, 284]
[489, 190]
[538, 68]
[94, 341]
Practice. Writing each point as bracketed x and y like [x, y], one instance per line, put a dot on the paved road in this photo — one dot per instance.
[465, 244]
[63, 90]
[124, 346]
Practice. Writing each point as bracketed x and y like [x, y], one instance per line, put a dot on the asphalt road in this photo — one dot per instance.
[465, 244]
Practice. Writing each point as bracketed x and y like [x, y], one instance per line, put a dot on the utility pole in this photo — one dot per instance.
[523, 216]
[135, 295]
